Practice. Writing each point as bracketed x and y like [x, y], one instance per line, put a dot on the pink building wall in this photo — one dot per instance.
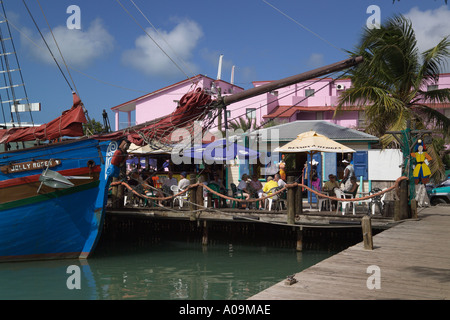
[319, 106]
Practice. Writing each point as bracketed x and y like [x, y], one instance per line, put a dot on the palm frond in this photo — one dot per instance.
[434, 60]
[434, 118]
[436, 96]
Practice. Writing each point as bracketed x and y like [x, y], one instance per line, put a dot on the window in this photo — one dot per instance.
[309, 92]
[251, 113]
[432, 87]
[228, 114]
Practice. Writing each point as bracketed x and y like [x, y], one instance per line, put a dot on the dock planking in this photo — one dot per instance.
[413, 259]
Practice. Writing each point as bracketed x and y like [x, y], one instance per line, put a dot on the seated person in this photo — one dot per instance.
[277, 178]
[242, 186]
[166, 191]
[169, 182]
[222, 188]
[270, 184]
[256, 188]
[351, 188]
[330, 185]
[139, 185]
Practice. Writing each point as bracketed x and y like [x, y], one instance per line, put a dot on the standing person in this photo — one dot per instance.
[183, 183]
[118, 160]
[315, 180]
[349, 172]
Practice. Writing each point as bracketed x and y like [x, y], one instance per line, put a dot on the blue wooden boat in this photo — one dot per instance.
[38, 221]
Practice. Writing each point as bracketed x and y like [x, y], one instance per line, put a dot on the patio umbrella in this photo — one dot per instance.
[312, 142]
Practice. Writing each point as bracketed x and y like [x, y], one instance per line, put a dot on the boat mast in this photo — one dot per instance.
[274, 85]
[11, 74]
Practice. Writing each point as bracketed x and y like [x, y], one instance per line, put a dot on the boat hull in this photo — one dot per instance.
[55, 223]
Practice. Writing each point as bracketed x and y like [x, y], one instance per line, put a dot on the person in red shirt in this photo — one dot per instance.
[118, 159]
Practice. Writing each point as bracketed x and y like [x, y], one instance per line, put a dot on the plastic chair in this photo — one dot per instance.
[180, 198]
[237, 194]
[271, 199]
[344, 204]
[214, 197]
[322, 200]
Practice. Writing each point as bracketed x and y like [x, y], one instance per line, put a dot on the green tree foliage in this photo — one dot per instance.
[392, 83]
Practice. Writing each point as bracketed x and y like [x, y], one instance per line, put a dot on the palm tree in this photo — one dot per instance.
[392, 84]
[244, 123]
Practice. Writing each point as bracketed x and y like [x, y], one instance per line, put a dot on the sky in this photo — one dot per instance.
[112, 60]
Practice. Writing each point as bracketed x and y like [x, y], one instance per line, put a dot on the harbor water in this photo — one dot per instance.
[163, 268]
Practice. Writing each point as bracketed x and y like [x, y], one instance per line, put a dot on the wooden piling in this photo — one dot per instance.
[402, 212]
[366, 224]
[291, 195]
[200, 199]
[193, 199]
[299, 201]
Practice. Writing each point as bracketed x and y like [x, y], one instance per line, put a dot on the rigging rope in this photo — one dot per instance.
[57, 46]
[17, 61]
[160, 35]
[156, 43]
[48, 47]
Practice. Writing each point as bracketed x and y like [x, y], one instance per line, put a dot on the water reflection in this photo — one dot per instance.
[167, 270]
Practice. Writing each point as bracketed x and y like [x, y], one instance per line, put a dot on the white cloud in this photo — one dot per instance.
[151, 60]
[80, 48]
[430, 26]
[315, 60]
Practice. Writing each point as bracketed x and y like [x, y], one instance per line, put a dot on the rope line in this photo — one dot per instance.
[291, 185]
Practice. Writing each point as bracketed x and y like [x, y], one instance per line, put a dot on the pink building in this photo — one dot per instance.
[315, 99]
[164, 101]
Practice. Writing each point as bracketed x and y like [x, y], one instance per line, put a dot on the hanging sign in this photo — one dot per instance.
[28, 166]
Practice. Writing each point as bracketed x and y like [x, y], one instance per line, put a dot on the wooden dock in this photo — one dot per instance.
[409, 261]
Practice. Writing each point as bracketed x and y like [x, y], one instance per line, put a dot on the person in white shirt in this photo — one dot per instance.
[168, 182]
[280, 181]
[183, 183]
[242, 186]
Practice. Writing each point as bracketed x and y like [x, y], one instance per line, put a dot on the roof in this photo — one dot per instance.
[289, 131]
[196, 79]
